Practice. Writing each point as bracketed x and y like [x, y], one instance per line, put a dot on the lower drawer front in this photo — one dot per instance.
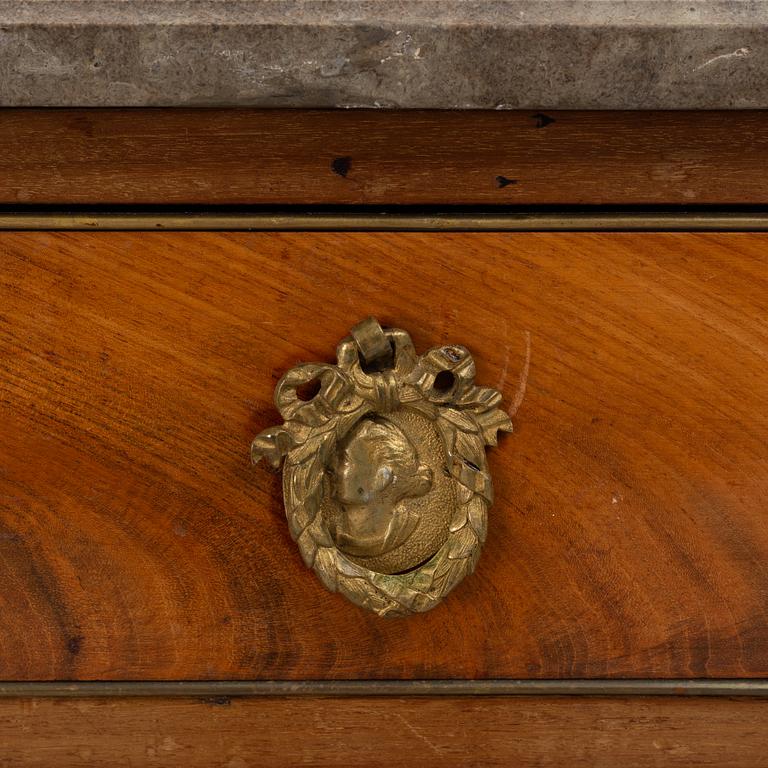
[628, 537]
[379, 733]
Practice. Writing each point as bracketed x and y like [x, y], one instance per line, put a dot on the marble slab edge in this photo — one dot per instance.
[428, 54]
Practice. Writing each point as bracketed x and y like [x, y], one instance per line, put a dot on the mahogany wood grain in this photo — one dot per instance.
[629, 536]
[246, 156]
[379, 733]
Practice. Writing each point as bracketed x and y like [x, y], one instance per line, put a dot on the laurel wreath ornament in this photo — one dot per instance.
[467, 418]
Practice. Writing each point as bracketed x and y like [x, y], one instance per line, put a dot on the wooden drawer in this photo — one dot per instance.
[628, 538]
[377, 733]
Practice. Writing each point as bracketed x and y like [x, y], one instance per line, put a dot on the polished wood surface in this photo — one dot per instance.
[628, 537]
[369, 733]
[242, 156]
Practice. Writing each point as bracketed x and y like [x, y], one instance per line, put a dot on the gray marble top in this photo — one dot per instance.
[474, 54]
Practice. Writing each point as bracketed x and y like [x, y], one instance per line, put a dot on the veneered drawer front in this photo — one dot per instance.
[217, 156]
[378, 733]
[628, 537]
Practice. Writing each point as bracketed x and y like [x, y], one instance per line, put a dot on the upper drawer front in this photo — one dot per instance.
[381, 157]
[628, 536]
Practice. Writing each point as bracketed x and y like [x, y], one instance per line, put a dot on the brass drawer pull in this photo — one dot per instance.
[385, 482]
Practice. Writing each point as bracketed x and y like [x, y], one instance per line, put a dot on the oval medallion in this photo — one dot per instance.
[385, 482]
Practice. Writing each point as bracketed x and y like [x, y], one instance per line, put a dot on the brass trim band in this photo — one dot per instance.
[367, 222]
[341, 688]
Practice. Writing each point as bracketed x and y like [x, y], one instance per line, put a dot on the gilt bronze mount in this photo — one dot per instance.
[385, 482]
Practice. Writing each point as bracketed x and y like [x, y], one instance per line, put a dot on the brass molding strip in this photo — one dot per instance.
[320, 688]
[447, 222]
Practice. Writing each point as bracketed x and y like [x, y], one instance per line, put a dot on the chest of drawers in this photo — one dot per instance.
[162, 269]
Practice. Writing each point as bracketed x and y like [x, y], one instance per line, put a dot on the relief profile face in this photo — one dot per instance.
[376, 468]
